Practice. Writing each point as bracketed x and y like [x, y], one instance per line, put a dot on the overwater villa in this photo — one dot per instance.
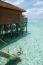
[21, 41]
[11, 19]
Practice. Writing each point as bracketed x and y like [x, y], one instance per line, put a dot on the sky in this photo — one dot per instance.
[34, 8]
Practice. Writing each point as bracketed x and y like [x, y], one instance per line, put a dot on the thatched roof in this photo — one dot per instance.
[10, 6]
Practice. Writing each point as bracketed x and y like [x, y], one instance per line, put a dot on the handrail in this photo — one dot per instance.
[3, 41]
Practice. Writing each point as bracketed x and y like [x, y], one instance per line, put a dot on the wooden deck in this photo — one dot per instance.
[9, 56]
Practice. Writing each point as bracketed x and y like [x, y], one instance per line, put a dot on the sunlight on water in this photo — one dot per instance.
[32, 46]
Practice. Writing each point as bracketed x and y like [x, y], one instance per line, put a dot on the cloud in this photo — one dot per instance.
[38, 3]
[7, 1]
[36, 12]
[18, 2]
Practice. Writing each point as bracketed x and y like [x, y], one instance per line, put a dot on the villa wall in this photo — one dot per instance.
[8, 16]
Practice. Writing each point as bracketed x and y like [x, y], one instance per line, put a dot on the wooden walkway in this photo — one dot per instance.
[9, 56]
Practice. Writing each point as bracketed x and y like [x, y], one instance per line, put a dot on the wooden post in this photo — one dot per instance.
[26, 20]
[11, 29]
[26, 26]
[17, 28]
[2, 31]
[5, 29]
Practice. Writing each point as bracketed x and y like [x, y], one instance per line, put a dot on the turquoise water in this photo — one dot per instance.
[31, 44]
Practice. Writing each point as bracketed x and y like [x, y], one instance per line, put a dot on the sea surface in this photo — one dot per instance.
[31, 44]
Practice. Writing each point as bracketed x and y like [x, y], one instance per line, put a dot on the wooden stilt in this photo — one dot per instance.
[9, 56]
[11, 29]
[26, 26]
[2, 32]
[17, 28]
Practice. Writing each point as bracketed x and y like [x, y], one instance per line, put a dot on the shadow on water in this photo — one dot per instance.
[13, 62]
[8, 40]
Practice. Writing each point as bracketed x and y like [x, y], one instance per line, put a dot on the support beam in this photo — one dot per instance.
[11, 29]
[9, 56]
[26, 26]
[17, 28]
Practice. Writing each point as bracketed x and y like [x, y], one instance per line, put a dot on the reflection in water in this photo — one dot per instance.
[32, 45]
[13, 62]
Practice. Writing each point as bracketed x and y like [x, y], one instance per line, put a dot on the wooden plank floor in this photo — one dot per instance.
[9, 56]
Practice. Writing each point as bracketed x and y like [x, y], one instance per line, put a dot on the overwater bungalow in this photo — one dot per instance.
[11, 18]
